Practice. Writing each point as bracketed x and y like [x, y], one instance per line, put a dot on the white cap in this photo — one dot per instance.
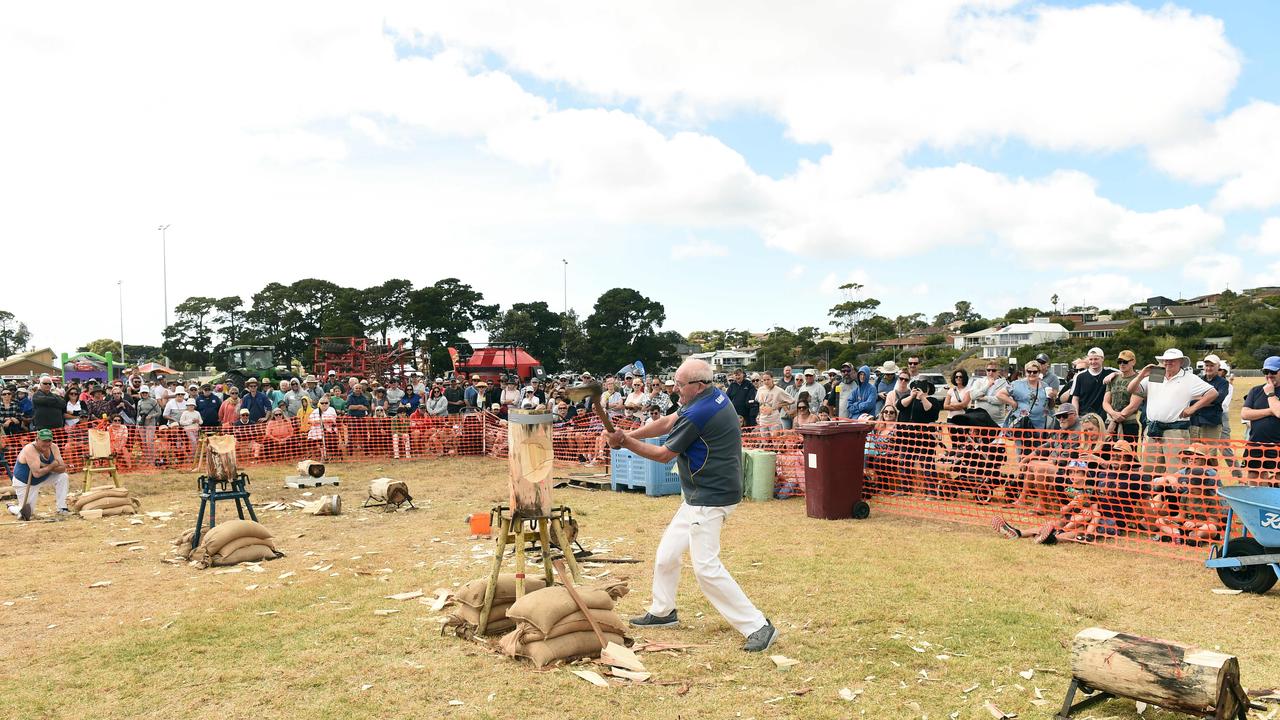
[1096, 351]
[1172, 354]
[1212, 358]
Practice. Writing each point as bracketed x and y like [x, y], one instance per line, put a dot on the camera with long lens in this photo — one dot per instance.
[923, 385]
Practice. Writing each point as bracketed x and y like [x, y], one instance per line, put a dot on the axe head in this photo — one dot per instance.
[578, 393]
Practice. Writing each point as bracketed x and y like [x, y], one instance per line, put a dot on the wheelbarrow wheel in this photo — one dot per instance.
[861, 510]
[1250, 578]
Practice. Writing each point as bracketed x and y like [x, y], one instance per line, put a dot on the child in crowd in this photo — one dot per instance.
[1079, 519]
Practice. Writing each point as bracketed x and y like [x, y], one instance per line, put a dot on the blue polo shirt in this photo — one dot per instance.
[258, 405]
[358, 399]
[707, 439]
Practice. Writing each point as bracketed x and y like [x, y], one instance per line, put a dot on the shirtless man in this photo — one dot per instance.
[37, 463]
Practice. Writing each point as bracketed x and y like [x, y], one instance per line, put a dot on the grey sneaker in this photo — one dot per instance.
[761, 639]
[652, 621]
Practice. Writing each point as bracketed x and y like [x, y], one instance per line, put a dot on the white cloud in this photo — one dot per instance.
[1211, 272]
[878, 72]
[370, 129]
[796, 272]
[1105, 290]
[1266, 240]
[698, 249]
[1043, 220]
[265, 150]
[1241, 151]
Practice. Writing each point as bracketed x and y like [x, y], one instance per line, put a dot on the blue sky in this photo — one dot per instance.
[736, 164]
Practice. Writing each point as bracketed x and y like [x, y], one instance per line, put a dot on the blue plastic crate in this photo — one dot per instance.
[628, 471]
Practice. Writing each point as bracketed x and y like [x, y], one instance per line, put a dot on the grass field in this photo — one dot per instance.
[910, 613]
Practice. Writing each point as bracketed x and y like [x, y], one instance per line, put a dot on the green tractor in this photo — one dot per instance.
[253, 361]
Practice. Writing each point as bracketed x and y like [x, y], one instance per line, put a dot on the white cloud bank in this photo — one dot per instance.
[254, 133]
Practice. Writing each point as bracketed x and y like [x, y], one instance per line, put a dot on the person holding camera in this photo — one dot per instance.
[918, 414]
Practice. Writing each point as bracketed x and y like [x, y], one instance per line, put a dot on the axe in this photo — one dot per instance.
[592, 390]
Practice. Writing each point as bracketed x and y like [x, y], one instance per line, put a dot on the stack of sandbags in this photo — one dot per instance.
[551, 627]
[104, 500]
[229, 543]
[470, 602]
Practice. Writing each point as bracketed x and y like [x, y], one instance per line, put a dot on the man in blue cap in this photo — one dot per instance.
[1262, 410]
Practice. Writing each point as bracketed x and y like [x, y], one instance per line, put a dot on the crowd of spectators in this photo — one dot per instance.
[1102, 451]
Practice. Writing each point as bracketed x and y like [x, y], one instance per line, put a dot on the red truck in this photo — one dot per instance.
[495, 363]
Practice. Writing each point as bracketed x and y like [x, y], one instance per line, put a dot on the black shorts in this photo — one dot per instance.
[1262, 456]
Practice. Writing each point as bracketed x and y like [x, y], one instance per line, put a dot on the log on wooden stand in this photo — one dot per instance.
[530, 459]
[221, 457]
[1172, 675]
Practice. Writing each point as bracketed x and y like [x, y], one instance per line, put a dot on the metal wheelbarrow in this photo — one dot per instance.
[1249, 562]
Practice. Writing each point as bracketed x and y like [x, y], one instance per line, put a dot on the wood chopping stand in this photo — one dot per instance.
[530, 514]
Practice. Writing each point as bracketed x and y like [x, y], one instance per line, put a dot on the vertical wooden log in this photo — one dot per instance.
[222, 457]
[530, 459]
[1169, 674]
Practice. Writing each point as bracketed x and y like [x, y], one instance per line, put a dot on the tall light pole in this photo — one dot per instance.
[120, 292]
[564, 320]
[164, 275]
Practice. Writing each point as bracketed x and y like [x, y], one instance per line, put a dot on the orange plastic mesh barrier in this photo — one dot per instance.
[1153, 495]
[1157, 496]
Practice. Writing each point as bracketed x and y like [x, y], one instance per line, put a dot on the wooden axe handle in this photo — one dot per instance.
[567, 579]
[603, 412]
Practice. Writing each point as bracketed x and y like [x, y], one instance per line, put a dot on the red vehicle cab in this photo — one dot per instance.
[496, 362]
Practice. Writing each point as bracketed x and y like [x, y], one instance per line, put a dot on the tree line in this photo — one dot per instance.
[622, 327]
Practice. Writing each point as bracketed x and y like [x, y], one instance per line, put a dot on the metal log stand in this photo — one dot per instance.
[517, 531]
[1107, 664]
[223, 482]
[529, 514]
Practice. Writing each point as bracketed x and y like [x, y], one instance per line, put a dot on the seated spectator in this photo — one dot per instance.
[803, 414]
[881, 456]
[637, 401]
[379, 429]
[436, 402]
[190, 421]
[655, 414]
[248, 435]
[400, 434]
[529, 399]
[302, 418]
[322, 430]
[279, 436]
[1078, 519]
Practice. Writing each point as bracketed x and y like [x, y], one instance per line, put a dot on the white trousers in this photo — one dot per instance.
[61, 482]
[697, 529]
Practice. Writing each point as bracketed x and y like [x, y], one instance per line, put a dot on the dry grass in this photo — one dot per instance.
[852, 600]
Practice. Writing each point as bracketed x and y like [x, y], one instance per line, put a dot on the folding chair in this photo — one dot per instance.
[100, 459]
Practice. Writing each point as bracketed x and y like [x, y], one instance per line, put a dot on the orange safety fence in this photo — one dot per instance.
[1155, 495]
[1151, 495]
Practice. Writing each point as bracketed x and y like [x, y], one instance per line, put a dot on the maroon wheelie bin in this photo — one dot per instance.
[834, 469]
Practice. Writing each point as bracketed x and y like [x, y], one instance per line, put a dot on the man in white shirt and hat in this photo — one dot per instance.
[1170, 405]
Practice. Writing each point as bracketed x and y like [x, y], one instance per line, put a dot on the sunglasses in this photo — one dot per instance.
[1033, 372]
[1122, 361]
[1268, 373]
[912, 363]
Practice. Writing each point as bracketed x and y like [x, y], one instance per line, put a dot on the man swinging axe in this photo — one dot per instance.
[706, 440]
[38, 462]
